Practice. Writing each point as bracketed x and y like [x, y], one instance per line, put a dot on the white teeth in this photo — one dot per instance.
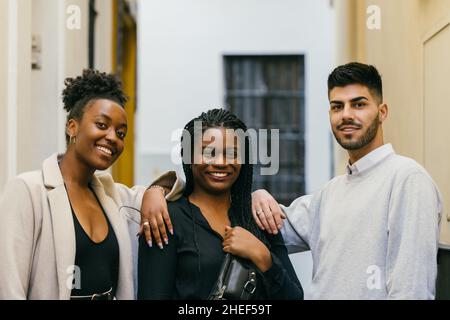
[219, 174]
[106, 150]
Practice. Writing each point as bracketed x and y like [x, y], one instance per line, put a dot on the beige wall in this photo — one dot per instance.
[397, 51]
[64, 53]
[48, 22]
[24, 118]
[15, 63]
[36, 103]
[350, 46]
[76, 42]
[413, 58]
[103, 38]
[3, 93]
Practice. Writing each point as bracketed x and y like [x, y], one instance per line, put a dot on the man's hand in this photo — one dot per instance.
[244, 244]
[267, 212]
[155, 217]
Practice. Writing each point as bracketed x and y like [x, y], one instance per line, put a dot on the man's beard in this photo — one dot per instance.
[367, 138]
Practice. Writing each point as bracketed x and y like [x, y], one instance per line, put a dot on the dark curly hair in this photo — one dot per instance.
[91, 85]
[241, 199]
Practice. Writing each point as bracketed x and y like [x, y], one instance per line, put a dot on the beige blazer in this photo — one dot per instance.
[37, 238]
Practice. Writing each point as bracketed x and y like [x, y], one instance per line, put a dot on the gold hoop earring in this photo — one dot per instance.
[73, 139]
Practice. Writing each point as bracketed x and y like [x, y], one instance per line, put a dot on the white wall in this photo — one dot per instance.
[181, 44]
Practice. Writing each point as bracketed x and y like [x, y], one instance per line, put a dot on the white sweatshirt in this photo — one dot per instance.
[373, 232]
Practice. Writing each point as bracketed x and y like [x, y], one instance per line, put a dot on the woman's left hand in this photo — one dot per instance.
[244, 244]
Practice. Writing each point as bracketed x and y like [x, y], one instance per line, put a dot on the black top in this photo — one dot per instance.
[187, 268]
[98, 263]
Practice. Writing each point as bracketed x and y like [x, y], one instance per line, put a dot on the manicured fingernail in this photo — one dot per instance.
[275, 232]
[149, 243]
[171, 231]
[166, 241]
[160, 245]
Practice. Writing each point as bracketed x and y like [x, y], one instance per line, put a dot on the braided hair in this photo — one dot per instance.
[91, 85]
[241, 202]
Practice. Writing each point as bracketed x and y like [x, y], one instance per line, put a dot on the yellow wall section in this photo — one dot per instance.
[123, 170]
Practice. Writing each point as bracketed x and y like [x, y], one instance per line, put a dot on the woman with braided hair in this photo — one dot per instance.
[62, 229]
[213, 218]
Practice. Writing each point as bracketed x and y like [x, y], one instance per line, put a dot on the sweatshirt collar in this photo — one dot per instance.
[370, 160]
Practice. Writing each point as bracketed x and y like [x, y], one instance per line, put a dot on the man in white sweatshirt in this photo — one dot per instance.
[373, 232]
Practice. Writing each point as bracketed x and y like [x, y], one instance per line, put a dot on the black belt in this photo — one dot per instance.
[96, 296]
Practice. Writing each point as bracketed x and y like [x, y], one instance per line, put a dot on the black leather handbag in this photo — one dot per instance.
[237, 280]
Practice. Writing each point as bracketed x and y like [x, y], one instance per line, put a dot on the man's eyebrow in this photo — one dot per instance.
[358, 99]
[352, 100]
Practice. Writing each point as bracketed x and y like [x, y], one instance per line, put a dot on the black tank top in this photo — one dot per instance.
[98, 263]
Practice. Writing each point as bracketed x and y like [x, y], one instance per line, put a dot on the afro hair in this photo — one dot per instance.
[92, 84]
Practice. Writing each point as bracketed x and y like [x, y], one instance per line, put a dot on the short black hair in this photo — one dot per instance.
[91, 85]
[357, 73]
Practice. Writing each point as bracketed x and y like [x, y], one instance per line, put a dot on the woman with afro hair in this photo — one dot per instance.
[64, 229]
